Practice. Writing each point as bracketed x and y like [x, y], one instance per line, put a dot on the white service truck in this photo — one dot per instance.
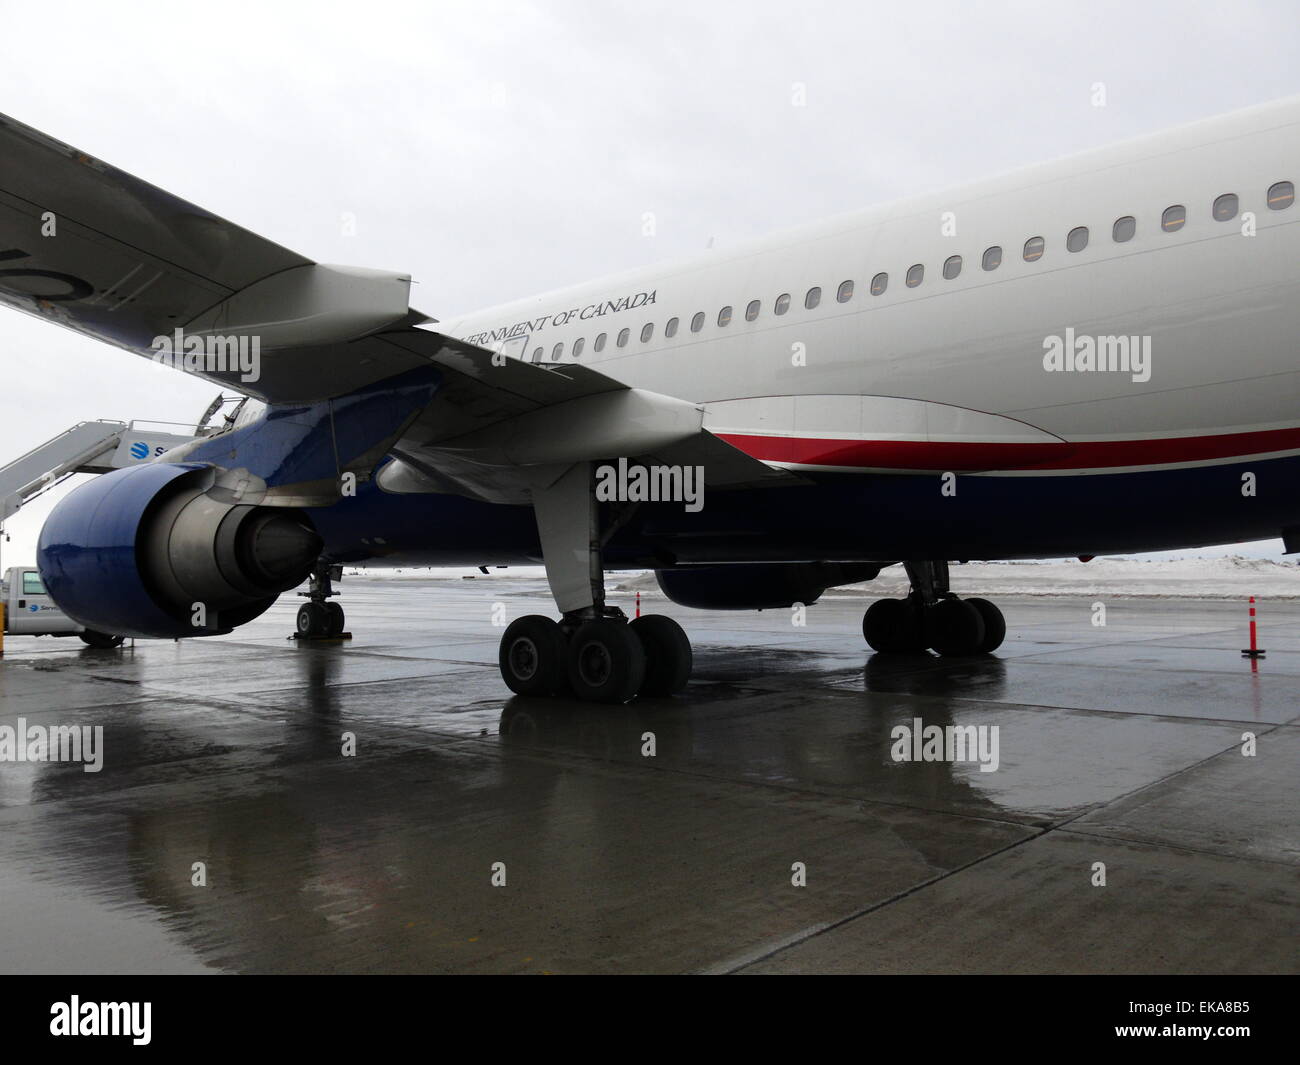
[29, 610]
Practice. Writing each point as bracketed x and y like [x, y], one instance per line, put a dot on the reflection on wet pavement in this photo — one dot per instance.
[661, 836]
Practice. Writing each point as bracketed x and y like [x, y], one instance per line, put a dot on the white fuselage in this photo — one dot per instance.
[1216, 302]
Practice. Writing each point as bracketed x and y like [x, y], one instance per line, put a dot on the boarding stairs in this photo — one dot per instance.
[88, 447]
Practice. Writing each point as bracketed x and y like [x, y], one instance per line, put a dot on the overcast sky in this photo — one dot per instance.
[498, 149]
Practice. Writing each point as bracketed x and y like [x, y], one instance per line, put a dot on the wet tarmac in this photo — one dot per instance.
[1119, 745]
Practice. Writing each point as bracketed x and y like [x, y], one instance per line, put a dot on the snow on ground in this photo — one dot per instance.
[1192, 578]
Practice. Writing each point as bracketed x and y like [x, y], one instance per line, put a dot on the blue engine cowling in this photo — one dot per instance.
[759, 585]
[138, 552]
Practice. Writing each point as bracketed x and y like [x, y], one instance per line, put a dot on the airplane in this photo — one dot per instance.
[1094, 355]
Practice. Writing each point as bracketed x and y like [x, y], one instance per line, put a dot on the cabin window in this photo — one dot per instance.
[845, 292]
[951, 267]
[557, 352]
[600, 342]
[1077, 239]
[992, 258]
[724, 316]
[1123, 229]
[1034, 249]
[813, 298]
[879, 283]
[623, 334]
[1225, 207]
[578, 346]
[647, 331]
[537, 355]
[751, 312]
[1173, 218]
[915, 275]
[670, 330]
[697, 323]
[782, 303]
[1281, 196]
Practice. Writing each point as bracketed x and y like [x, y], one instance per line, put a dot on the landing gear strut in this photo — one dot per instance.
[593, 652]
[932, 616]
[318, 618]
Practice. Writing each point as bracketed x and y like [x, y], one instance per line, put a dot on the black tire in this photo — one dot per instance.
[893, 625]
[954, 627]
[995, 625]
[532, 656]
[336, 620]
[313, 620]
[606, 662]
[102, 640]
[668, 657]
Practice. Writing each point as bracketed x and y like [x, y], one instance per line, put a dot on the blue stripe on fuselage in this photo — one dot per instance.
[854, 516]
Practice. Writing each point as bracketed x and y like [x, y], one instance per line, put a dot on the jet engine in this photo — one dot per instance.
[159, 550]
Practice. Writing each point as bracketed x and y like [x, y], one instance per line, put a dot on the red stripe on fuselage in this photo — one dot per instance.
[963, 455]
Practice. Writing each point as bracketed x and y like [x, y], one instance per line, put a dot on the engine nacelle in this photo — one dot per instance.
[759, 585]
[135, 552]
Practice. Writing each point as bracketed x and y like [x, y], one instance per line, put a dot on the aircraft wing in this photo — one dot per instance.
[98, 251]
[498, 423]
[94, 249]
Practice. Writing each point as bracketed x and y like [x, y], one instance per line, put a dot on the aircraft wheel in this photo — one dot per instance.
[893, 625]
[606, 662]
[312, 619]
[101, 640]
[954, 627]
[532, 656]
[668, 658]
[995, 625]
[336, 620]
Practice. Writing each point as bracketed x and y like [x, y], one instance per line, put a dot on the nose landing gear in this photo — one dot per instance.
[319, 619]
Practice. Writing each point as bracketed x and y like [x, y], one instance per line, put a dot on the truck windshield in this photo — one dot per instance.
[32, 583]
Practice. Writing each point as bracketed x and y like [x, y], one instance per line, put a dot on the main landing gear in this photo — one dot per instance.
[318, 618]
[593, 652]
[605, 659]
[931, 616]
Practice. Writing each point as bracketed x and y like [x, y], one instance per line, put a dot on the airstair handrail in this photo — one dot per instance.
[14, 495]
[118, 427]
